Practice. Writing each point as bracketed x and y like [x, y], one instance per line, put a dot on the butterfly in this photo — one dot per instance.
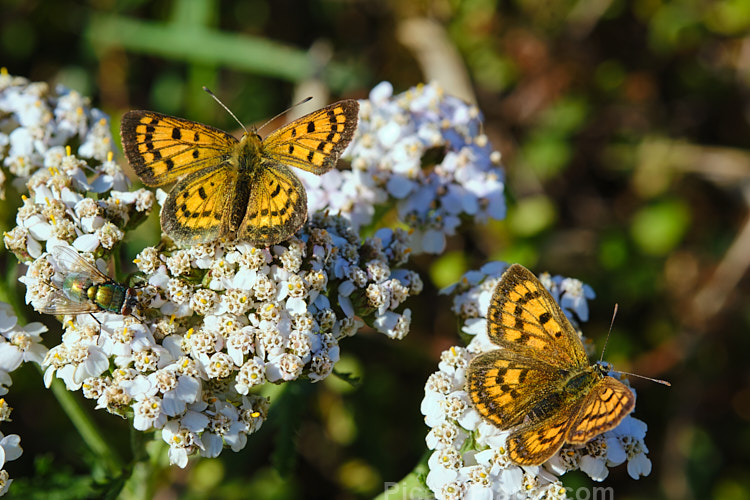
[84, 289]
[234, 189]
[539, 383]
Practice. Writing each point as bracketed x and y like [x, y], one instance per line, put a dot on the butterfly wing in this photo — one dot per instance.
[315, 141]
[524, 318]
[195, 209]
[498, 383]
[276, 208]
[536, 443]
[163, 148]
[603, 408]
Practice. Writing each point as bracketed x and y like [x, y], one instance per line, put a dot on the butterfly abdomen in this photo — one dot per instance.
[544, 408]
[246, 159]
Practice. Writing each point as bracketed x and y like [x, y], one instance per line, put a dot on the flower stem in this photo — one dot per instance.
[149, 466]
[412, 486]
[11, 285]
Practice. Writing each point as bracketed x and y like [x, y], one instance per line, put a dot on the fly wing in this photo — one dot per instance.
[59, 304]
[70, 261]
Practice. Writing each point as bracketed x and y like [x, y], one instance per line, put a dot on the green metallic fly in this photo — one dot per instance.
[86, 290]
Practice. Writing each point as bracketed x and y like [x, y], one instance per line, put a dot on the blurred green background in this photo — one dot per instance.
[624, 128]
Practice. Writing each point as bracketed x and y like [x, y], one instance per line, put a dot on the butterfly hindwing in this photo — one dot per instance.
[535, 444]
[163, 148]
[608, 402]
[315, 141]
[497, 384]
[195, 210]
[276, 208]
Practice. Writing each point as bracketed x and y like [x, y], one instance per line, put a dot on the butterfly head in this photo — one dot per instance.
[250, 145]
[605, 366]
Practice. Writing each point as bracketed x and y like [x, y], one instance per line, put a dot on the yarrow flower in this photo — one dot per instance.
[423, 152]
[469, 454]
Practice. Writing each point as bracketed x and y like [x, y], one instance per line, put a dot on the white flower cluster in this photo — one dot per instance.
[222, 320]
[36, 122]
[17, 345]
[423, 152]
[35, 125]
[469, 458]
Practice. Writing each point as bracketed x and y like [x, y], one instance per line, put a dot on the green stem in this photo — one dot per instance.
[149, 467]
[412, 486]
[84, 424]
[11, 285]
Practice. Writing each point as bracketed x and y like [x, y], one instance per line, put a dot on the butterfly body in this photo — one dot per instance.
[539, 384]
[234, 189]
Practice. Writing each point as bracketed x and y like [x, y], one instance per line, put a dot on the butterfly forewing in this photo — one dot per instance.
[524, 317]
[163, 148]
[315, 141]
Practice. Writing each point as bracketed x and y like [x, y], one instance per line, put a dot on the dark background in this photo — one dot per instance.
[624, 130]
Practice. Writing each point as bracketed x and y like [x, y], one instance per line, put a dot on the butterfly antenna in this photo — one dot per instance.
[303, 101]
[614, 313]
[223, 106]
[657, 380]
